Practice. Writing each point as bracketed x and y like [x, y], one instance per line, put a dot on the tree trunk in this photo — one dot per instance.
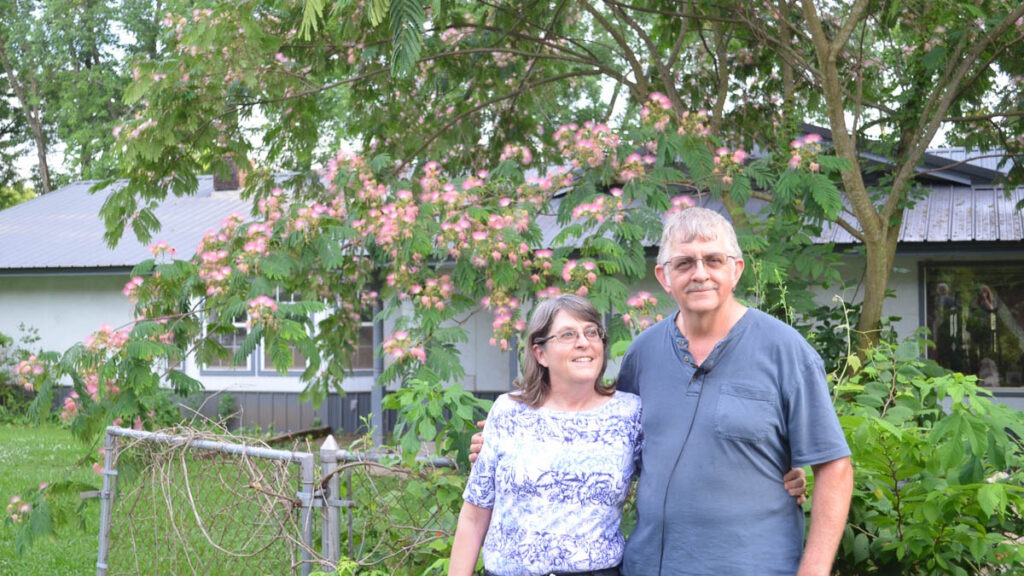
[876, 279]
[33, 114]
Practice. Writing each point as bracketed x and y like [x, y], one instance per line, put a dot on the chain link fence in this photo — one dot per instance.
[188, 502]
[396, 520]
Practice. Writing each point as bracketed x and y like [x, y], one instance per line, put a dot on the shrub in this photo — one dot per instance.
[938, 469]
[18, 371]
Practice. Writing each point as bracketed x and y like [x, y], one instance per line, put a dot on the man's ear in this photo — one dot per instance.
[662, 275]
[738, 271]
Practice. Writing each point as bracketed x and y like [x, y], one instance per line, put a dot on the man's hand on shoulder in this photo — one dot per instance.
[477, 443]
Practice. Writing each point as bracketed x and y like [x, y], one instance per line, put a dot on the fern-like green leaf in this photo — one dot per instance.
[184, 385]
[248, 346]
[377, 11]
[280, 355]
[826, 195]
[311, 18]
[407, 19]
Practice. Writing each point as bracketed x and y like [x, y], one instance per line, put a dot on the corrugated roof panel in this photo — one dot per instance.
[63, 229]
[986, 223]
[1009, 217]
[962, 229]
[915, 223]
[940, 216]
[548, 228]
[987, 160]
[1018, 220]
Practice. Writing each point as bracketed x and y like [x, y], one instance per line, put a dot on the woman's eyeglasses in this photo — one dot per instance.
[570, 336]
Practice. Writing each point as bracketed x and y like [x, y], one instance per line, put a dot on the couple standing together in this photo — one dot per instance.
[732, 399]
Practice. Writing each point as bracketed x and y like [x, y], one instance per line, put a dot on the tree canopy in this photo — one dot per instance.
[471, 122]
[283, 85]
[64, 67]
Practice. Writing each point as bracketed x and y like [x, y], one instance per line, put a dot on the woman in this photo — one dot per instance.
[545, 495]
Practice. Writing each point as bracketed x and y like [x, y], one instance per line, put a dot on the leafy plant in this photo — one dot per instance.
[429, 412]
[939, 485]
[349, 567]
[20, 371]
[42, 456]
[829, 327]
[227, 410]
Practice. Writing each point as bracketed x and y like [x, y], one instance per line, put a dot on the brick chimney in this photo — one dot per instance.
[232, 180]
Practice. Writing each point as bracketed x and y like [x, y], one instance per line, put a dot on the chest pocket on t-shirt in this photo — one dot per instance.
[744, 413]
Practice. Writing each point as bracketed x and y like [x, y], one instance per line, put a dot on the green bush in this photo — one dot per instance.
[938, 470]
[15, 398]
[429, 411]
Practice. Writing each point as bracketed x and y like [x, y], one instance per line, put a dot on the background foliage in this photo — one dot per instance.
[158, 92]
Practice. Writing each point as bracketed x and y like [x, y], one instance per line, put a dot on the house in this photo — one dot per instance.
[959, 270]
[58, 276]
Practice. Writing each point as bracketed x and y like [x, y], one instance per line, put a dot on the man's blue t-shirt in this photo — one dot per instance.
[718, 440]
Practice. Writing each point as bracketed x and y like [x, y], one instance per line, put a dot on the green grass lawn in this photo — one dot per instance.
[30, 456]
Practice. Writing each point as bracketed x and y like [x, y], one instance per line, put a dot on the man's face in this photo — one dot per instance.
[700, 275]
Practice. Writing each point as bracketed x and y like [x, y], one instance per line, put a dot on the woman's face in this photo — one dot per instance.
[572, 360]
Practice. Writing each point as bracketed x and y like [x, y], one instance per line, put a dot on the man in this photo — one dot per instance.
[731, 399]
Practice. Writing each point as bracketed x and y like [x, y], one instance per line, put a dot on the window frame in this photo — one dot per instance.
[1005, 277]
[249, 369]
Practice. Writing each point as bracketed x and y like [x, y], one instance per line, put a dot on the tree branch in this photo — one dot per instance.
[992, 116]
[664, 72]
[965, 161]
[866, 213]
[950, 86]
[854, 18]
[481, 105]
[627, 52]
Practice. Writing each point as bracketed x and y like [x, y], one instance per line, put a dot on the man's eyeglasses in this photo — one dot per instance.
[683, 264]
[570, 336]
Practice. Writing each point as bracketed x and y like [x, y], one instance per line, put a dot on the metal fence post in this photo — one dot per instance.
[331, 535]
[344, 456]
[106, 501]
[377, 389]
[307, 465]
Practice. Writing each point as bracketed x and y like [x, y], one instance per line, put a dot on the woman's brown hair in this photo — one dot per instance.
[536, 382]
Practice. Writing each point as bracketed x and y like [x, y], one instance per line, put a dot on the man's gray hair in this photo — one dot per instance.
[697, 223]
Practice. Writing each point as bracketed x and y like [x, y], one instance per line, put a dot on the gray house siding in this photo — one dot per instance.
[283, 412]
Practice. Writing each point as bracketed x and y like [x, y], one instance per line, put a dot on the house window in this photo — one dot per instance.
[362, 360]
[299, 361]
[231, 340]
[976, 317]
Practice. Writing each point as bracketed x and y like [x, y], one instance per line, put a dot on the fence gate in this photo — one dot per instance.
[185, 504]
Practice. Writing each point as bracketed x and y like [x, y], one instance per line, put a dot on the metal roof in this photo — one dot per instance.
[63, 229]
[955, 214]
[947, 214]
[988, 160]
